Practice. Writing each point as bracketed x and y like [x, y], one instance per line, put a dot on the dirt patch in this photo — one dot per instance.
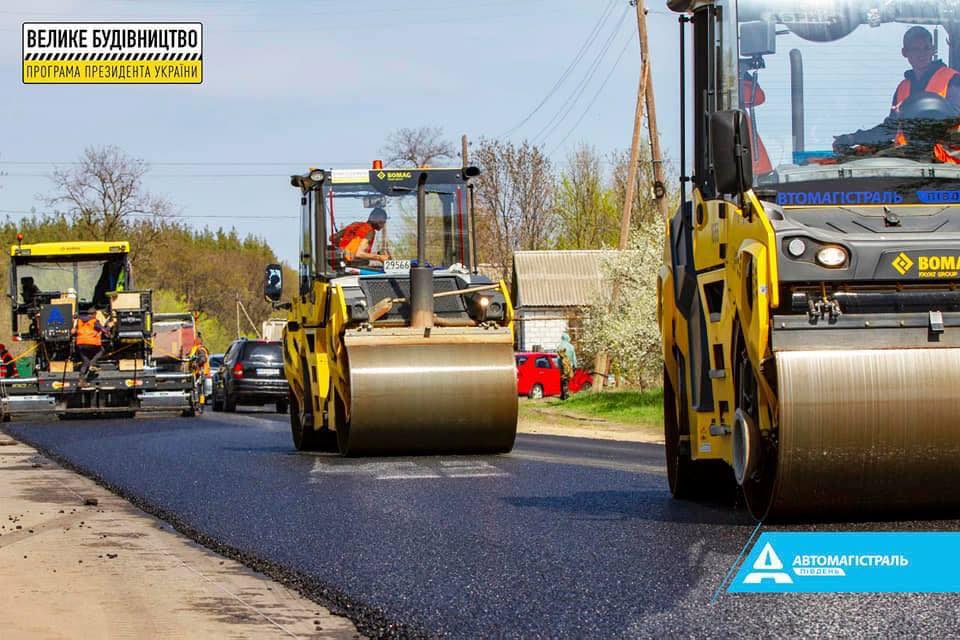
[536, 418]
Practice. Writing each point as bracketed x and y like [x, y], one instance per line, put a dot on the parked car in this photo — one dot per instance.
[251, 374]
[538, 376]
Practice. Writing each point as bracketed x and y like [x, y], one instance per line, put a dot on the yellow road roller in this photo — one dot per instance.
[394, 342]
[809, 298]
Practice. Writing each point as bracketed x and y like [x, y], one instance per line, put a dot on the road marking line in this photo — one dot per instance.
[407, 470]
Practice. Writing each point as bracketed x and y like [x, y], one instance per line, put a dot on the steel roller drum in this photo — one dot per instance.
[454, 392]
[867, 432]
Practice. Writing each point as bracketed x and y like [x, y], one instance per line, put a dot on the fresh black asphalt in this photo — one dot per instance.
[564, 537]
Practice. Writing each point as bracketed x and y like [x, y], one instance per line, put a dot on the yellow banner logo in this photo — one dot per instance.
[112, 53]
[902, 263]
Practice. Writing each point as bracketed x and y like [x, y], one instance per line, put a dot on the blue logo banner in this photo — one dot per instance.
[832, 562]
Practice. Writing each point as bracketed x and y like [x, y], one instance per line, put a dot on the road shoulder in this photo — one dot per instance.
[78, 561]
[537, 419]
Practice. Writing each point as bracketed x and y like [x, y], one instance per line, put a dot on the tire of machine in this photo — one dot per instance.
[689, 479]
[756, 479]
[301, 427]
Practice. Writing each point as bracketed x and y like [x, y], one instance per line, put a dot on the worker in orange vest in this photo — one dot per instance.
[8, 365]
[925, 76]
[88, 335]
[356, 239]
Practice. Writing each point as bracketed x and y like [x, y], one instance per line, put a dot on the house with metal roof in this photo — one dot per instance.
[550, 290]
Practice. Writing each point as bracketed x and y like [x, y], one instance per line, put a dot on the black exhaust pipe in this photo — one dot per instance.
[421, 276]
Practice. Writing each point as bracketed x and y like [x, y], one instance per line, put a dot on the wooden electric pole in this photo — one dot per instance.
[645, 98]
[659, 176]
[464, 150]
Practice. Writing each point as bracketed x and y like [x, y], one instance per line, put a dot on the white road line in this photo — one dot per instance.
[407, 469]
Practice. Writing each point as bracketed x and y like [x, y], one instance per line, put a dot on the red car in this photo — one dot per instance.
[538, 376]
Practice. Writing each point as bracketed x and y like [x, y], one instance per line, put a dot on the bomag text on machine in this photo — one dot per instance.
[808, 300]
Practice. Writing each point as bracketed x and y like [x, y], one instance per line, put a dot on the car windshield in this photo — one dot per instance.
[851, 89]
[445, 216]
[216, 361]
[263, 351]
[91, 279]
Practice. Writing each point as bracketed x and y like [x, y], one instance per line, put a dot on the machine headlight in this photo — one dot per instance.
[797, 247]
[317, 175]
[832, 257]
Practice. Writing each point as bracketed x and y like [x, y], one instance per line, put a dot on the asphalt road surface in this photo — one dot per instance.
[562, 538]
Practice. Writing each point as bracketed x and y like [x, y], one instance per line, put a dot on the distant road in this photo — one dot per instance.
[562, 538]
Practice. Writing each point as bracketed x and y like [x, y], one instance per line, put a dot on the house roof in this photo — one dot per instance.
[557, 278]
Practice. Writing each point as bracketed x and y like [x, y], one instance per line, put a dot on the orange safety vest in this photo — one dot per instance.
[351, 237]
[938, 84]
[753, 96]
[87, 334]
[9, 368]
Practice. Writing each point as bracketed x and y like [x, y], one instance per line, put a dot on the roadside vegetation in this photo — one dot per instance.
[102, 197]
[624, 407]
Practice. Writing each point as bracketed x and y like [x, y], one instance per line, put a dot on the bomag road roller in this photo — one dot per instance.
[50, 284]
[809, 299]
[394, 342]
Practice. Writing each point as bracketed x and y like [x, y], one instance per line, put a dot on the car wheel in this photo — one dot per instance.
[230, 403]
[281, 406]
[536, 392]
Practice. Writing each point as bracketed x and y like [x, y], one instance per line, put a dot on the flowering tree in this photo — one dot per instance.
[624, 325]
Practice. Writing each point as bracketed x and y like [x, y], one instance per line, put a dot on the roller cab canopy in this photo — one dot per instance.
[819, 85]
[58, 249]
[45, 270]
[335, 199]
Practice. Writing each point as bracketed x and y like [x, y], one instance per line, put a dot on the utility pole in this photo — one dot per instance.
[659, 176]
[238, 315]
[464, 150]
[645, 97]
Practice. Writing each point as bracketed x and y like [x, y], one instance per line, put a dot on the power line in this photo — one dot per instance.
[201, 163]
[596, 95]
[544, 134]
[576, 60]
[165, 216]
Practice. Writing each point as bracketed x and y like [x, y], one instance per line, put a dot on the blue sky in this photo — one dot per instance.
[322, 83]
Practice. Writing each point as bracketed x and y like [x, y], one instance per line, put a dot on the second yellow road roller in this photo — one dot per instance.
[809, 298]
[395, 343]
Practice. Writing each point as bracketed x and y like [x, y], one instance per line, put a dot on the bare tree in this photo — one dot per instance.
[514, 201]
[104, 194]
[417, 147]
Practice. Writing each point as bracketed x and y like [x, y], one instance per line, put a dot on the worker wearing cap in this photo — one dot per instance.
[925, 76]
[356, 239]
[88, 334]
[8, 365]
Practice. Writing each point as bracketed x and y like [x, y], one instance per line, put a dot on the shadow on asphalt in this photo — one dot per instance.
[651, 505]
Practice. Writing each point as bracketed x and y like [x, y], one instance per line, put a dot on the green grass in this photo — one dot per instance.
[628, 407]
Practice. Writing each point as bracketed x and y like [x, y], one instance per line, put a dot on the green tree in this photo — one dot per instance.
[586, 207]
